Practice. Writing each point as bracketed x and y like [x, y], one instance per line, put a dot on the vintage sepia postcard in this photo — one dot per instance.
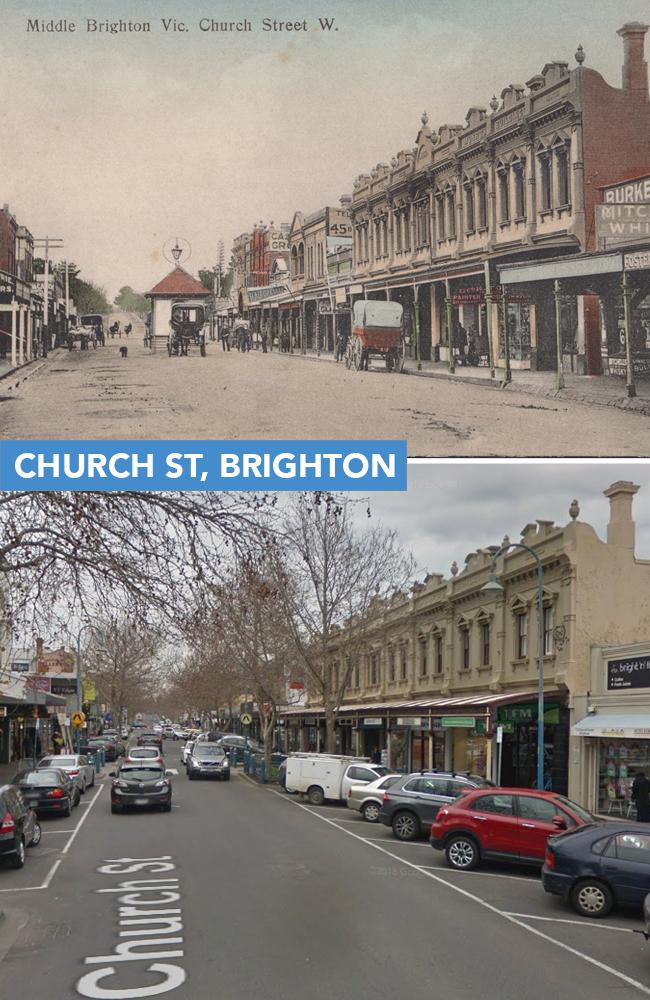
[426, 221]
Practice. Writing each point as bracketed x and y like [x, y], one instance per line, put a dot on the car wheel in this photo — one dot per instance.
[36, 834]
[92, 783]
[77, 797]
[18, 857]
[406, 826]
[315, 795]
[83, 788]
[68, 809]
[370, 812]
[191, 776]
[592, 898]
[462, 853]
[114, 808]
[226, 777]
[167, 808]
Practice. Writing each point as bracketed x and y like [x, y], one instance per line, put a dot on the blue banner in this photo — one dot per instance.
[203, 465]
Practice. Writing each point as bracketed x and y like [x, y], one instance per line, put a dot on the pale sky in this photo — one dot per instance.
[453, 508]
[117, 142]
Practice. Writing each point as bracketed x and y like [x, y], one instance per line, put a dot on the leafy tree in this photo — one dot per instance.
[124, 664]
[130, 301]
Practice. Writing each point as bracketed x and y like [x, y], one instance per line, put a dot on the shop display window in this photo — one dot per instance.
[619, 760]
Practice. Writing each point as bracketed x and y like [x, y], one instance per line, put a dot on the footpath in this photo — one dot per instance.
[594, 390]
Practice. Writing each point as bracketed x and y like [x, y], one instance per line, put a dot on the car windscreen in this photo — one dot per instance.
[43, 777]
[143, 752]
[141, 773]
[213, 752]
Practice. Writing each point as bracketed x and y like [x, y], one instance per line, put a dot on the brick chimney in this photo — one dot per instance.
[620, 530]
[635, 68]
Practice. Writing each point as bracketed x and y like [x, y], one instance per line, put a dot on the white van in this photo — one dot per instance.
[322, 776]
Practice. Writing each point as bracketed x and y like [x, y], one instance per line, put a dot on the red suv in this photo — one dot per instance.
[505, 824]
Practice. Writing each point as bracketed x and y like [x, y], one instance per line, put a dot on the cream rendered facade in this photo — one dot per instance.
[446, 640]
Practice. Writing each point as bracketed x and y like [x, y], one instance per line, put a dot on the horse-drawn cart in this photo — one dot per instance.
[377, 331]
[187, 328]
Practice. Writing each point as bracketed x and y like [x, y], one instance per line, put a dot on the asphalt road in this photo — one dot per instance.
[284, 901]
[97, 394]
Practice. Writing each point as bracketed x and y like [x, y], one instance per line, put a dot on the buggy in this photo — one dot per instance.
[187, 328]
[377, 331]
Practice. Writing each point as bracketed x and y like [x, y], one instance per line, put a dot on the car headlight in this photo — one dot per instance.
[162, 784]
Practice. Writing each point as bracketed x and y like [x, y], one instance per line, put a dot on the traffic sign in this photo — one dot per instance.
[78, 719]
[246, 719]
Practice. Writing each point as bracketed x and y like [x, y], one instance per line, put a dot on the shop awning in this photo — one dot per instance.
[583, 266]
[437, 706]
[623, 726]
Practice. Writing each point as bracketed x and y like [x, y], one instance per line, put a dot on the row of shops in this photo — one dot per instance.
[32, 727]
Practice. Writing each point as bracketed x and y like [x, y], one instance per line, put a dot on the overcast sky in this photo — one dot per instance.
[453, 509]
[117, 142]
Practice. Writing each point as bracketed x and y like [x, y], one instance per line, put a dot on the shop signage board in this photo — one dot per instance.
[90, 690]
[63, 686]
[476, 294]
[412, 722]
[371, 722]
[618, 366]
[35, 683]
[637, 261]
[527, 712]
[635, 192]
[633, 672]
[458, 721]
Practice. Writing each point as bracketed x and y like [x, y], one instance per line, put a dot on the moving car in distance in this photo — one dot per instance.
[19, 827]
[599, 866]
[411, 804]
[140, 784]
[110, 746]
[76, 766]
[208, 760]
[145, 753]
[367, 799]
[504, 824]
[150, 739]
[47, 791]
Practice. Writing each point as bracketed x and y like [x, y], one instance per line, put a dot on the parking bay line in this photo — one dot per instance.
[481, 902]
[593, 924]
[452, 871]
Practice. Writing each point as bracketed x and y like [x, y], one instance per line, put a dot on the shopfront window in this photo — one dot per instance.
[518, 331]
[619, 761]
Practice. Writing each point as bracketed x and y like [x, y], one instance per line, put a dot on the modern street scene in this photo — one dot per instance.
[229, 720]
[510, 252]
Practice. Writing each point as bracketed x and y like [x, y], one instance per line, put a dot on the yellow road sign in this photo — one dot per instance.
[78, 719]
[246, 720]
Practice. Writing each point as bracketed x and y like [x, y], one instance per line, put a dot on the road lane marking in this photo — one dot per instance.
[45, 832]
[50, 875]
[482, 902]
[83, 819]
[596, 924]
[452, 871]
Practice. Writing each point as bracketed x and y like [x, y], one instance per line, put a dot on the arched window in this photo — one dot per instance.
[294, 261]
[301, 259]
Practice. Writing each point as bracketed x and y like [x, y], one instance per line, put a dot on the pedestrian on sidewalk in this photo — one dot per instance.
[225, 339]
[375, 757]
[641, 797]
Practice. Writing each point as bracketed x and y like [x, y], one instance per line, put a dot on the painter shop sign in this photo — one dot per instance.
[630, 673]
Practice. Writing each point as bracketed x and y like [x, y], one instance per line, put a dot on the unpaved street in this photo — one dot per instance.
[97, 394]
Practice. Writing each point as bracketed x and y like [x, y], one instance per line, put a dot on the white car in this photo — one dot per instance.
[368, 798]
[78, 767]
[187, 750]
[145, 753]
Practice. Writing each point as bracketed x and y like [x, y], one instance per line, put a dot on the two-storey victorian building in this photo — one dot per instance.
[446, 665]
[518, 181]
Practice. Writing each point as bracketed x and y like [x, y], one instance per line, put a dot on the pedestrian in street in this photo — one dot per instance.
[375, 757]
[265, 337]
[641, 797]
[225, 339]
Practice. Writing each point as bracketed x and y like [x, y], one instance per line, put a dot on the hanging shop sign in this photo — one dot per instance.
[90, 690]
[63, 686]
[637, 261]
[458, 721]
[633, 672]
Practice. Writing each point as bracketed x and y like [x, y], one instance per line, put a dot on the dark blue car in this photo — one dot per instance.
[599, 866]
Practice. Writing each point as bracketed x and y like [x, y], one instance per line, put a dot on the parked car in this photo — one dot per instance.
[47, 791]
[187, 750]
[208, 760]
[506, 824]
[411, 805]
[125, 733]
[234, 742]
[111, 747]
[179, 733]
[145, 753]
[598, 866]
[322, 776]
[167, 732]
[19, 827]
[368, 798]
[137, 784]
[77, 766]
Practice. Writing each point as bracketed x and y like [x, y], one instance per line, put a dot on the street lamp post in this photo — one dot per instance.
[494, 588]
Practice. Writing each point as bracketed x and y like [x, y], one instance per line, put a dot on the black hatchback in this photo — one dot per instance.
[412, 803]
[19, 827]
[48, 790]
[141, 783]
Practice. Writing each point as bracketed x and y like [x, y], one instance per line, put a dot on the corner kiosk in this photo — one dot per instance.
[319, 776]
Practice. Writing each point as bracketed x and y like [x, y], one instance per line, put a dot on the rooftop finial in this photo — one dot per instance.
[425, 118]
[580, 55]
[454, 568]
[494, 103]
[574, 510]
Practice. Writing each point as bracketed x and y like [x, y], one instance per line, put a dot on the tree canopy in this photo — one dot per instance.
[130, 301]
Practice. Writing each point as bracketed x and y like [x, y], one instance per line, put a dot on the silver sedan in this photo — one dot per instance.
[367, 799]
[76, 766]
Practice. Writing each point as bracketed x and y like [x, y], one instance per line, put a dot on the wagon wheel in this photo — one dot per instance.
[357, 354]
[347, 357]
[169, 347]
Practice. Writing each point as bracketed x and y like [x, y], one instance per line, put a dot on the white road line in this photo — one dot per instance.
[83, 819]
[382, 840]
[45, 832]
[482, 902]
[593, 924]
[50, 874]
[452, 871]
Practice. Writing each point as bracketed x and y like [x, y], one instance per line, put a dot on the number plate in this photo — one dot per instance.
[142, 802]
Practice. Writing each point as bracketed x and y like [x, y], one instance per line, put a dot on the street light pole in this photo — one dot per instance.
[493, 587]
